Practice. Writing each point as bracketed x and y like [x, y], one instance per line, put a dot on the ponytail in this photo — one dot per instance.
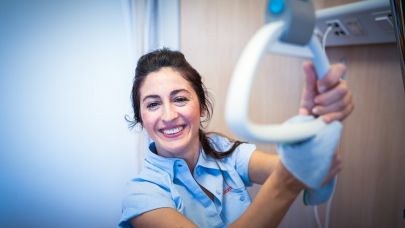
[209, 149]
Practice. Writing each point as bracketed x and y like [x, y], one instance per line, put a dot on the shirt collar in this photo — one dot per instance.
[169, 164]
[208, 162]
[164, 163]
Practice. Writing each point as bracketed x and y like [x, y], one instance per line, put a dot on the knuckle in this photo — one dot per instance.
[342, 90]
[342, 68]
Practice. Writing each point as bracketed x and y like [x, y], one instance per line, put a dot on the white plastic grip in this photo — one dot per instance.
[237, 101]
[319, 58]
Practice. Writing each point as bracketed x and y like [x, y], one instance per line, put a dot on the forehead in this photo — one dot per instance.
[163, 82]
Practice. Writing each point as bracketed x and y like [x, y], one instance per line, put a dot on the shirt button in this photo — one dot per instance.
[218, 192]
[178, 164]
[242, 198]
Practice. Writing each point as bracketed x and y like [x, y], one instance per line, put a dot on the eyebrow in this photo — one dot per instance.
[173, 93]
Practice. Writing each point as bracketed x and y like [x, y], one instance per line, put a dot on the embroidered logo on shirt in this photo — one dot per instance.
[227, 189]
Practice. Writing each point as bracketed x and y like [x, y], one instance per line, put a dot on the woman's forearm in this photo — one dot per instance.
[272, 201]
[261, 166]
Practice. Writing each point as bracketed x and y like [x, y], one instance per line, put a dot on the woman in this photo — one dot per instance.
[191, 178]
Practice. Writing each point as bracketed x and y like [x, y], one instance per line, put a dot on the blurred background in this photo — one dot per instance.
[66, 70]
[66, 74]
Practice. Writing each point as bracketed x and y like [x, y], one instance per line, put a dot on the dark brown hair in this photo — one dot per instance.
[153, 62]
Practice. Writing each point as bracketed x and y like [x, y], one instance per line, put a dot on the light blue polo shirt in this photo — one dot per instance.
[168, 183]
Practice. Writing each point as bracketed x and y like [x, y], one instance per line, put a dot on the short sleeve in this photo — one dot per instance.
[241, 157]
[144, 196]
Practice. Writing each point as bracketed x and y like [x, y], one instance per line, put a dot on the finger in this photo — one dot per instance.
[303, 111]
[337, 106]
[332, 78]
[309, 92]
[310, 79]
[338, 92]
[338, 115]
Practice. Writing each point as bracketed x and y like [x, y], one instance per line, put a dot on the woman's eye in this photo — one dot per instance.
[152, 105]
[181, 100]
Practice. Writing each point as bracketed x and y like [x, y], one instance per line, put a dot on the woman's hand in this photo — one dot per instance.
[329, 97]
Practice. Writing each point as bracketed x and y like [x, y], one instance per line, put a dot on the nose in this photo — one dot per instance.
[169, 113]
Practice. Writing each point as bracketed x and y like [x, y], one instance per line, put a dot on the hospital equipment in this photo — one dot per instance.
[291, 31]
[283, 36]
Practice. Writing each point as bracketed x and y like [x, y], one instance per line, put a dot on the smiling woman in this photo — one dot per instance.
[192, 178]
[171, 114]
[185, 92]
[170, 102]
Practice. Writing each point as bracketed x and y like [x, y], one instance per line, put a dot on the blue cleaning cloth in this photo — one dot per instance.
[319, 195]
[310, 160]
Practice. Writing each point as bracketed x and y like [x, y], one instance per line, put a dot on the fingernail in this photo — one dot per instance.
[315, 110]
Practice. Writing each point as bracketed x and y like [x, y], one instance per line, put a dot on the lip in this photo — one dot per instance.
[174, 135]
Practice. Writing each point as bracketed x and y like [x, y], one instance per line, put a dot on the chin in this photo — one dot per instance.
[175, 147]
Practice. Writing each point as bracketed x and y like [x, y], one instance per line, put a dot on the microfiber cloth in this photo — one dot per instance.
[310, 160]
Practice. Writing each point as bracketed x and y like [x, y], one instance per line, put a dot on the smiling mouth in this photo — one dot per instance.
[172, 132]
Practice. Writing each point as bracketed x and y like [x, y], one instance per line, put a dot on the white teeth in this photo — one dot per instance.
[172, 131]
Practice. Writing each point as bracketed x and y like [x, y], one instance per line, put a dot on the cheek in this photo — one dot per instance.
[193, 114]
[148, 119]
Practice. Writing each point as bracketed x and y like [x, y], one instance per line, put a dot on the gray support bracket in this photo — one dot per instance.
[299, 16]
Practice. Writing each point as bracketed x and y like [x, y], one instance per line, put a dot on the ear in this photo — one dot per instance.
[203, 113]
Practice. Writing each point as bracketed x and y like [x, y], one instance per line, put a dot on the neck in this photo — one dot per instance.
[191, 157]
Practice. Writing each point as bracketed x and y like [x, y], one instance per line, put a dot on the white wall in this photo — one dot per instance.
[65, 79]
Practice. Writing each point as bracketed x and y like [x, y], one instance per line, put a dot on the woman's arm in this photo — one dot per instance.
[162, 217]
[261, 165]
[273, 200]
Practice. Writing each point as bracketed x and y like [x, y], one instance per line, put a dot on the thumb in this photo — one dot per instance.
[310, 77]
[310, 89]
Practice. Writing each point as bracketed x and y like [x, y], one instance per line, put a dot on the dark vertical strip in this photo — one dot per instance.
[398, 10]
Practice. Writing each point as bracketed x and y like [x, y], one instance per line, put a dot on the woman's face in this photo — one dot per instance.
[170, 112]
